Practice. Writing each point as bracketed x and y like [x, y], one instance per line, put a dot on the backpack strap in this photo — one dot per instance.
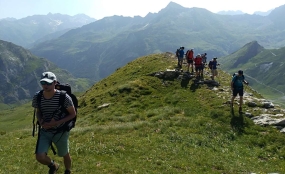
[62, 99]
[36, 125]
[39, 98]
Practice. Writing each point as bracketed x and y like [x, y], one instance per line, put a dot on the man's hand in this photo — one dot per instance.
[48, 125]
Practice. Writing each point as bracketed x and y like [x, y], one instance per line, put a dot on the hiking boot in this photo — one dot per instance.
[53, 168]
[67, 172]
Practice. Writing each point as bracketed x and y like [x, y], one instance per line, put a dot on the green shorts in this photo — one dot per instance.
[60, 140]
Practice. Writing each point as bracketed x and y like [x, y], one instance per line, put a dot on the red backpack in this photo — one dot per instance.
[189, 54]
[198, 61]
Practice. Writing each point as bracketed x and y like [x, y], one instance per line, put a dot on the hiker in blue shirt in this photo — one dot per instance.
[180, 57]
[237, 88]
[213, 67]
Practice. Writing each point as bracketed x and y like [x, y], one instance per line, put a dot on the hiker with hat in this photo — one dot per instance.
[204, 60]
[213, 67]
[51, 119]
[237, 88]
[190, 59]
[180, 57]
[198, 65]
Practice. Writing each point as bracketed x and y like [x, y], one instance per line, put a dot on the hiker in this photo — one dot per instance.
[237, 88]
[204, 62]
[198, 65]
[213, 67]
[177, 55]
[190, 58]
[180, 57]
[204, 58]
[51, 121]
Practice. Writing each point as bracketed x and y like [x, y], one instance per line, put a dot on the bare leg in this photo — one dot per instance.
[240, 101]
[67, 161]
[43, 159]
[232, 102]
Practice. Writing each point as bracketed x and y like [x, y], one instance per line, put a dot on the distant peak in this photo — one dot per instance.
[173, 5]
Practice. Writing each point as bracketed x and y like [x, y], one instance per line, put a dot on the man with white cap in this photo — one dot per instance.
[51, 120]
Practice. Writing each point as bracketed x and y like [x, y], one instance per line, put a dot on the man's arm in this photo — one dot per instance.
[52, 123]
[232, 85]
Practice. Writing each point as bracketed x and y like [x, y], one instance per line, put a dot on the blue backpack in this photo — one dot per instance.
[235, 75]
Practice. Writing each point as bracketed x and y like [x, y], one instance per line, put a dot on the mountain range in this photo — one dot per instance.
[20, 73]
[107, 44]
[239, 12]
[96, 50]
[26, 31]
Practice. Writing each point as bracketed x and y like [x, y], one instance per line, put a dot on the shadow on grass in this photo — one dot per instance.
[237, 123]
[184, 83]
[194, 86]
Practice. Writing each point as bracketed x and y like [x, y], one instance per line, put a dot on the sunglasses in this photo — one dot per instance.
[45, 83]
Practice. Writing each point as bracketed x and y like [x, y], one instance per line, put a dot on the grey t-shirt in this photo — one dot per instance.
[50, 108]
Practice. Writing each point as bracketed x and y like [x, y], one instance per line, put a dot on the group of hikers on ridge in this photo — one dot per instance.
[199, 62]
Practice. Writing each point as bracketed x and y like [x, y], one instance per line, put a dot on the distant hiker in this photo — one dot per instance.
[237, 88]
[190, 59]
[213, 67]
[204, 61]
[198, 65]
[180, 57]
[204, 58]
[51, 120]
[177, 55]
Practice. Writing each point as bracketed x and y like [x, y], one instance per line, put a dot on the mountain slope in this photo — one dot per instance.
[107, 44]
[26, 31]
[154, 126]
[20, 73]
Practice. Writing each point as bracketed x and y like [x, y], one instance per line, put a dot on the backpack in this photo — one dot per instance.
[198, 61]
[177, 52]
[235, 74]
[187, 53]
[66, 89]
[210, 64]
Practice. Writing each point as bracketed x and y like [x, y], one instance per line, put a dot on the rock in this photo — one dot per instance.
[267, 105]
[248, 114]
[266, 119]
[251, 104]
[105, 105]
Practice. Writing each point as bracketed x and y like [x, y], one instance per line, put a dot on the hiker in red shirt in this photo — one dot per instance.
[198, 65]
[190, 58]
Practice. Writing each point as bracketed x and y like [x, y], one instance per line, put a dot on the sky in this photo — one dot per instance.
[99, 9]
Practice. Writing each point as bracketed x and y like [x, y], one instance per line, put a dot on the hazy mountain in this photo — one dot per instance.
[264, 68]
[26, 31]
[20, 72]
[231, 12]
[266, 13]
[96, 50]
[8, 19]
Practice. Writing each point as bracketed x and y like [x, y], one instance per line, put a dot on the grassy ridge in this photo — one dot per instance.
[155, 126]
